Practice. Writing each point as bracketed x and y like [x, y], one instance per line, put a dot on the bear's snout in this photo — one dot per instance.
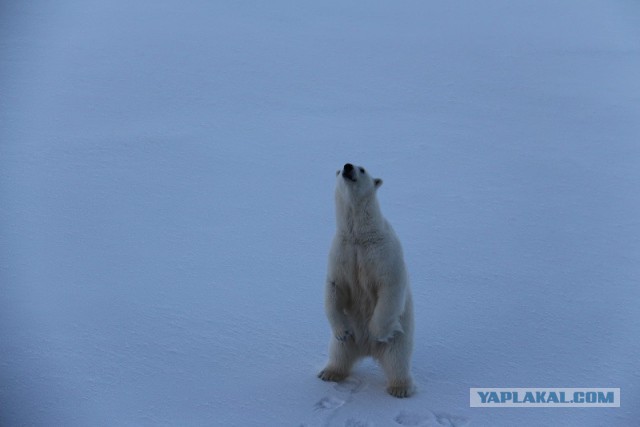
[349, 172]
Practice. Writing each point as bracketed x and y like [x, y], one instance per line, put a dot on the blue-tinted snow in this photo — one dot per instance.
[166, 181]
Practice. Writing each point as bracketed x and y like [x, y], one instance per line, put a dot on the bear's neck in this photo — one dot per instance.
[360, 222]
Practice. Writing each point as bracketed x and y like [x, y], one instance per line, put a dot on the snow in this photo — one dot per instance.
[166, 206]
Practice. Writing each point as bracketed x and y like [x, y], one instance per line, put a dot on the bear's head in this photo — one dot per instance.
[355, 183]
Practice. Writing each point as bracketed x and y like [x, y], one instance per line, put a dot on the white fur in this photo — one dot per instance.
[367, 298]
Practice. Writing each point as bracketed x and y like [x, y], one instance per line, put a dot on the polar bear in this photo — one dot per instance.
[367, 296]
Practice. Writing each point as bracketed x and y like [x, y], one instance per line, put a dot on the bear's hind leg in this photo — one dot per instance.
[395, 361]
[342, 356]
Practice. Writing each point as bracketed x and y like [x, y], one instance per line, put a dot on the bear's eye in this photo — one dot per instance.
[362, 170]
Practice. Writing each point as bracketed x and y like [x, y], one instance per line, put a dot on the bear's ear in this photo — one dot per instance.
[377, 182]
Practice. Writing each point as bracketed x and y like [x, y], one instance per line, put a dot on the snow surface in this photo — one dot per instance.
[166, 206]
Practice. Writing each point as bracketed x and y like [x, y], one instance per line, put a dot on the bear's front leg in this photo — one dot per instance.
[336, 300]
[385, 322]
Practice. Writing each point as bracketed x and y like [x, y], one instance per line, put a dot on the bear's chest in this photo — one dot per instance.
[361, 283]
[360, 267]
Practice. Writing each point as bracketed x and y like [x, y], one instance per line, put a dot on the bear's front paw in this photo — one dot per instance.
[386, 334]
[343, 335]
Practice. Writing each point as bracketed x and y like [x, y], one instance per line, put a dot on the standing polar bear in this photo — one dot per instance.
[367, 297]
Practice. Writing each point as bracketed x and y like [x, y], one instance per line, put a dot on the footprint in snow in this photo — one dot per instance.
[349, 385]
[413, 419]
[352, 422]
[429, 419]
[447, 420]
[328, 403]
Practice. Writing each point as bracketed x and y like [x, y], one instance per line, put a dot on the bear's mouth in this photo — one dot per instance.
[349, 175]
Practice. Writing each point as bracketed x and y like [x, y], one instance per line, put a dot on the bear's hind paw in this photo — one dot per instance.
[331, 375]
[400, 391]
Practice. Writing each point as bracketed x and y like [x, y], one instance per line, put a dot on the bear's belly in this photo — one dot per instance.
[362, 302]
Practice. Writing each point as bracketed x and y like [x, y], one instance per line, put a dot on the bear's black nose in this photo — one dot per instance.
[349, 172]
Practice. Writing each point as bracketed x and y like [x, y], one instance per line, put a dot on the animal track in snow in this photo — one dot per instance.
[447, 420]
[412, 419]
[328, 403]
[349, 385]
[352, 422]
[429, 419]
